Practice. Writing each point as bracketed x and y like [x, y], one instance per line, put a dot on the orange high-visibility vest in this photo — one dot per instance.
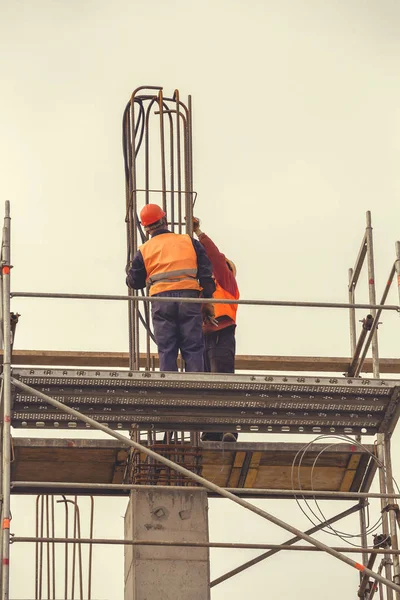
[170, 261]
[228, 310]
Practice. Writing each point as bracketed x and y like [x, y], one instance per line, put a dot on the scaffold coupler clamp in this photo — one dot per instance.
[395, 508]
[381, 540]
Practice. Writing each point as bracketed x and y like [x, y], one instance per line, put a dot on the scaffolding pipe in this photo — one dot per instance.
[290, 542]
[382, 486]
[366, 326]
[359, 262]
[245, 491]
[371, 289]
[363, 530]
[207, 484]
[352, 314]
[228, 545]
[54, 295]
[392, 513]
[397, 263]
[6, 448]
[376, 321]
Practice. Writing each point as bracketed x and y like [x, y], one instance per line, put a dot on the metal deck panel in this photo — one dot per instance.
[212, 402]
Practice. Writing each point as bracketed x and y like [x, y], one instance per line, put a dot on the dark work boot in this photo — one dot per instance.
[230, 437]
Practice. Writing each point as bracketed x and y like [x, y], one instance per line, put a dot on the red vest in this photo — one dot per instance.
[228, 310]
[170, 261]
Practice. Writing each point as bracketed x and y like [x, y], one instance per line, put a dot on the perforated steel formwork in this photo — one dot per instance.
[212, 402]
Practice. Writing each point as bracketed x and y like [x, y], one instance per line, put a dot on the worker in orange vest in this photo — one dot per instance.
[173, 265]
[219, 332]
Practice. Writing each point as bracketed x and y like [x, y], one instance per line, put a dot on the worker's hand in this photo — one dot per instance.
[208, 311]
[196, 225]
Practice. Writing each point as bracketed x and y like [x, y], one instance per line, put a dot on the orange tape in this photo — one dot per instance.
[6, 523]
[398, 280]
[359, 567]
[6, 270]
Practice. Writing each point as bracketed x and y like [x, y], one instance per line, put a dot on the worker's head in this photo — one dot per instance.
[152, 217]
[231, 266]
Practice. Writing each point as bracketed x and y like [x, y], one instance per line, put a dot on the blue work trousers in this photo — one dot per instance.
[178, 326]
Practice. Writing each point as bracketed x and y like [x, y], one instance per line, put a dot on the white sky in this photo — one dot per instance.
[296, 135]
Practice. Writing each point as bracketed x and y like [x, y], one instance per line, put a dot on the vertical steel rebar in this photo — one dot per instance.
[162, 150]
[90, 548]
[189, 208]
[133, 324]
[48, 547]
[371, 289]
[6, 447]
[37, 550]
[53, 534]
[178, 159]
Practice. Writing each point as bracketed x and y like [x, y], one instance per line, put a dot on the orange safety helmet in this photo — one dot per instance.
[151, 213]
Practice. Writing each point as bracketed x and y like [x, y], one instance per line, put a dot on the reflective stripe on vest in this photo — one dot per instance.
[228, 310]
[170, 261]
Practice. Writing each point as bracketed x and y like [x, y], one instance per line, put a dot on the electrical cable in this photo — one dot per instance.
[345, 536]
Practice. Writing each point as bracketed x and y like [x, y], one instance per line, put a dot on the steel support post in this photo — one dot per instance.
[371, 289]
[352, 313]
[392, 512]
[6, 446]
[376, 321]
[380, 449]
[293, 540]
[205, 483]
[398, 266]
[366, 326]
[363, 530]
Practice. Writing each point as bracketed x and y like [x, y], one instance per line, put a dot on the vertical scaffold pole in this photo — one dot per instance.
[6, 513]
[375, 366]
[392, 513]
[372, 293]
[352, 314]
[380, 449]
[397, 263]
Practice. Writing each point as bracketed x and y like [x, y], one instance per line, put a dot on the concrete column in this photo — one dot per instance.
[162, 572]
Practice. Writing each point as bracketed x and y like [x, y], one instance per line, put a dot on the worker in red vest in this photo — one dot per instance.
[219, 332]
[173, 265]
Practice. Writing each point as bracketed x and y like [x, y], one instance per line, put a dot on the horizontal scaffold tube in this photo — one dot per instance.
[203, 300]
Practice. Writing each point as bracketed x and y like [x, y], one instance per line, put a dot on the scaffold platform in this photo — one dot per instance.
[211, 402]
[250, 466]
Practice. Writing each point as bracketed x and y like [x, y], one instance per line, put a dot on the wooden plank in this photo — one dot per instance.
[253, 470]
[64, 358]
[234, 475]
[251, 465]
[350, 473]
[324, 478]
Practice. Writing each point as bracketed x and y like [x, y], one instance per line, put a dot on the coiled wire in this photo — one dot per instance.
[329, 529]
